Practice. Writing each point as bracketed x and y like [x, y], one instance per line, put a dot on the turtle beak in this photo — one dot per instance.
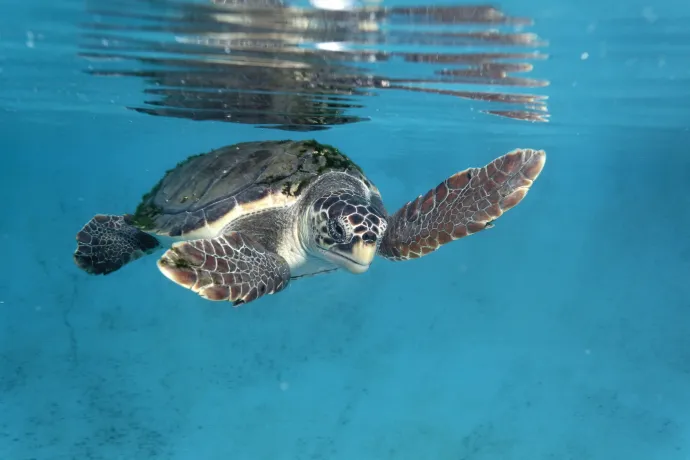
[363, 253]
[355, 257]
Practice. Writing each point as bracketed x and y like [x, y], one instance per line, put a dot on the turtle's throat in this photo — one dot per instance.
[304, 233]
[310, 250]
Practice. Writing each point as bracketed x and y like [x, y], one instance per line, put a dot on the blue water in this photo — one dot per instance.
[563, 333]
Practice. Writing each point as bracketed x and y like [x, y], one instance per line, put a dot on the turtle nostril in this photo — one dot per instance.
[369, 237]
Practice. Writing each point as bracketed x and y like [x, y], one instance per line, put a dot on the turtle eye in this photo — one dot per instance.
[336, 230]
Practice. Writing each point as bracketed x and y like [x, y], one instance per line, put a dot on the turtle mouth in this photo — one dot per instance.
[342, 256]
[353, 264]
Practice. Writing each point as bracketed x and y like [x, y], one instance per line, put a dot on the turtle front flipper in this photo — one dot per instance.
[231, 267]
[465, 203]
[106, 243]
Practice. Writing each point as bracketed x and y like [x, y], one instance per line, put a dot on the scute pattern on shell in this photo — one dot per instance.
[207, 187]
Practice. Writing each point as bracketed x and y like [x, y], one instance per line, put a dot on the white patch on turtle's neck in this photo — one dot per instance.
[293, 249]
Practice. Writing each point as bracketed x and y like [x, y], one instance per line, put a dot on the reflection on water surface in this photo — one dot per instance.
[303, 68]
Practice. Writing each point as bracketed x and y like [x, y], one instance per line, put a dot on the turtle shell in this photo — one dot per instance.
[205, 192]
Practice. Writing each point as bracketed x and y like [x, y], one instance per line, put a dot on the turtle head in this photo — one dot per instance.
[346, 229]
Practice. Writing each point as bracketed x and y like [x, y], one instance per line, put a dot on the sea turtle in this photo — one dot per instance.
[245, 219]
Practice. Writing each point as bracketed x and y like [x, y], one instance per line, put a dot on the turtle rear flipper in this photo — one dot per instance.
[465, 203]
[106, 243]
[231, 267]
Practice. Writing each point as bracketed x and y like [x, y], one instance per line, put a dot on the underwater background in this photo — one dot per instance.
[562, 333]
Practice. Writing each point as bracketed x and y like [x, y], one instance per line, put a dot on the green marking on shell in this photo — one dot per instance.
[146, 212]
[325, 157]
[294, 188]
[335, 159]
[145, 215]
